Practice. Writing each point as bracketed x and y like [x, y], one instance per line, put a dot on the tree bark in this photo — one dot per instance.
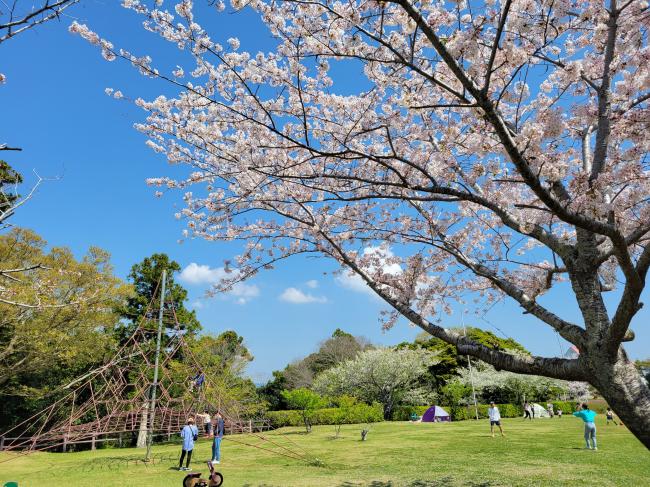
[627, 392]
[142, 433]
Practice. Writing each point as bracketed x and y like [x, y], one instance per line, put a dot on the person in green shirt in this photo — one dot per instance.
[588, 416]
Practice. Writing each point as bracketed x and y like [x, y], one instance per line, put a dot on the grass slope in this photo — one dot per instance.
[542, 452]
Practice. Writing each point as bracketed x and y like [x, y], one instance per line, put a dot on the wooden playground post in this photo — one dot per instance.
[152, 407]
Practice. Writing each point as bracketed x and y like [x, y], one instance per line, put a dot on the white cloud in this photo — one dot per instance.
[197, 304]
[349, 280]
[296, 296]
[312, 284]
[204, 274]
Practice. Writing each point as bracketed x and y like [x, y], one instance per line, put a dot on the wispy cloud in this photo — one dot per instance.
[196, 274]
[296, 296]
[312, 284]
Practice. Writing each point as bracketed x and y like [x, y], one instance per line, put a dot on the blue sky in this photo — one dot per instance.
[55, 108]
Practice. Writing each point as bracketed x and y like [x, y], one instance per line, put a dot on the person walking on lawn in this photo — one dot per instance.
[527, 411]
[495, 418]
[189, 434]
[218, 435]
[588, 416]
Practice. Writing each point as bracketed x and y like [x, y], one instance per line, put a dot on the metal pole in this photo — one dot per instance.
[471, 374]
[154, 386]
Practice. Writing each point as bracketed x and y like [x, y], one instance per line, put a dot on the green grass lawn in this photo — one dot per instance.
[542, 452]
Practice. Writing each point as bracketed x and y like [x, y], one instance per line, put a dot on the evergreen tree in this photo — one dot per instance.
[146, 278]
[8, 177]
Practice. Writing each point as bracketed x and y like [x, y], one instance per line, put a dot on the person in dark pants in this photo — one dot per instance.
[189, 434]
[527, 410]
[218, 435]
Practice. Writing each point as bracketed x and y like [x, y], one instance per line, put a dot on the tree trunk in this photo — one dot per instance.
[627, 392]
[144, 419]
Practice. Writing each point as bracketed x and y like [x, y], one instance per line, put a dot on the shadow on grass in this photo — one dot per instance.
[122, 462]
[442, 482]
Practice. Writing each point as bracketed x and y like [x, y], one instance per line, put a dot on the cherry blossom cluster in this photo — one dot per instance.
[480, 142]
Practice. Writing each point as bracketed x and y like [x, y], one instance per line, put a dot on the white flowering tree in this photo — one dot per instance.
[382, 375]
[495, 149]
[513, 387]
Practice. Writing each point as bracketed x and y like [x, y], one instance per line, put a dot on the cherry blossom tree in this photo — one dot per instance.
[18, 16]
[489, 150]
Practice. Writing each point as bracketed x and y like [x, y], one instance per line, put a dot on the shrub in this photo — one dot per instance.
[285, 418]
[359, 413]
[403, 413]
[567, 407]
[305, 401]
[460, 413]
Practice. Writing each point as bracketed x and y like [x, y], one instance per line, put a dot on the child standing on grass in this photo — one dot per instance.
[495, 418]
[588, 416]
[610, 417]
[189, 434]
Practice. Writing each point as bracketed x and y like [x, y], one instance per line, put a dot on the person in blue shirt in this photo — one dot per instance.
[189, 434]
[588, 416]
[218, 435]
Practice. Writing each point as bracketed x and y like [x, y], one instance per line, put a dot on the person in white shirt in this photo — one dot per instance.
[495, 418]
[207, 424]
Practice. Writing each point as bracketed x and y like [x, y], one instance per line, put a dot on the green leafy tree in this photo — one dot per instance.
[146, 277]
[271, 392]
[224, 359]
[306, 401]
[56, 318]
[341, 346]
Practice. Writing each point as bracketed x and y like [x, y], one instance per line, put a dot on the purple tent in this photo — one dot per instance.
[435, 414]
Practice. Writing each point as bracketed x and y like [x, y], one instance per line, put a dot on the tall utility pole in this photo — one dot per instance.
[154, 386]
[471, 374]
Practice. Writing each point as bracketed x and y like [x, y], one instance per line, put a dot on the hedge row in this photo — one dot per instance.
[403, 413]
[360, 413]
[460, 413]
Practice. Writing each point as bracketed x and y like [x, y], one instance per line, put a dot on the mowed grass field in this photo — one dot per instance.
[539, 453]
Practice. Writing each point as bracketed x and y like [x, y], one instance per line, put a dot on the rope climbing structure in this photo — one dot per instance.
[147, 390]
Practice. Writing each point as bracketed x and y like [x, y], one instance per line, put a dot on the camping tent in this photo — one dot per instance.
[435, 414]
[540, 412]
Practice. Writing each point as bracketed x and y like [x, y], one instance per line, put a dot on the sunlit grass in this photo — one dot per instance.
[542, 452]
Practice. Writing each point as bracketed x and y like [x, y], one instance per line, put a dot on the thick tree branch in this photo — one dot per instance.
[629, 304]
[551, 367]
[504, 133]
[604, 96]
